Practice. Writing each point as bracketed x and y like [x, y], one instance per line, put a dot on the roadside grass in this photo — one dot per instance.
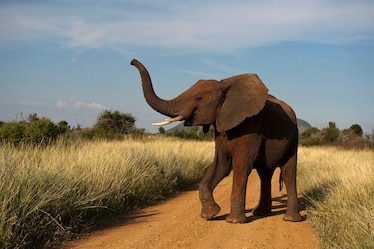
[48, 194]
[338, 186]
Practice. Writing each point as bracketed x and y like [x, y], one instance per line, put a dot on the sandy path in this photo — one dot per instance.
[176, 223]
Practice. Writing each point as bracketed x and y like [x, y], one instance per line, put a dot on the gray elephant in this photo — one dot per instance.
[253, 130]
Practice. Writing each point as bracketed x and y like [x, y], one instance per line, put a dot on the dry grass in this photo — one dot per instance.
[339, 185]
[50, 193]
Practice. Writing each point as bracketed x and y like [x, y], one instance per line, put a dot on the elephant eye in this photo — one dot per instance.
[198, 98]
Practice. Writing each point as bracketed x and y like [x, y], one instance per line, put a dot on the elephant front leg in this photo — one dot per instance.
[240, 177]
[209, 208]
[219, 169]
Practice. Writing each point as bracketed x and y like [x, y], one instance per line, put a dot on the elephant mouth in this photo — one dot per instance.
[189, 121]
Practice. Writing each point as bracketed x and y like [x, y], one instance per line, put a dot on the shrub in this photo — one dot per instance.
[331, 133]
[356, 128]
[115, 122]
[310, 132]
[310, 141]
[13, 132]
[193, 133]
[42, 131]
[311, 137]
[38, 131]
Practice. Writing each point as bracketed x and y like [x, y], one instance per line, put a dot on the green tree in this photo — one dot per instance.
[310, 132]
[115, 122]
[161, 130]
[310, 137]
[13, 132]
[331, 133]
[193, 133]
[33, 130]
[356, 128]
[32, 117]
[43, 130]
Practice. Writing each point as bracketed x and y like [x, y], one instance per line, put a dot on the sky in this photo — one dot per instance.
[70, 60]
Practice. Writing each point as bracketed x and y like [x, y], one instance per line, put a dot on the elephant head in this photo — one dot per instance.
[225, 103]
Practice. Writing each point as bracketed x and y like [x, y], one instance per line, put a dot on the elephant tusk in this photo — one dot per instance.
[169, 121]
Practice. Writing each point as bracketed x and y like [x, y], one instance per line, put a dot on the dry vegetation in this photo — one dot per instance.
[50, 193]
[339, 186]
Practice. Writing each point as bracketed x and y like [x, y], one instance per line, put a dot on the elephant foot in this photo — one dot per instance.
[294, 217]
[236, 218]
[209, 211]
[260, 211]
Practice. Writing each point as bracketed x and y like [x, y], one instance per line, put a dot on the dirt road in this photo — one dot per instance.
[176, 223]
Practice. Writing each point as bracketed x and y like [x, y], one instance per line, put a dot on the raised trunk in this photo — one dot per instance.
[166, 107]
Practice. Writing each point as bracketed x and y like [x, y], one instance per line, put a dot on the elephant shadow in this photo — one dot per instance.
[279, 207]
[320, 192]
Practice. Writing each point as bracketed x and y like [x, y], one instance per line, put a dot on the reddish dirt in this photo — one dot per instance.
[176, 223]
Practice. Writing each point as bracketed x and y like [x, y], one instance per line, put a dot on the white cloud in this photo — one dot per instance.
[215, 26]
[31, 103]
[91, 105]
[198, 73]
[61, 104]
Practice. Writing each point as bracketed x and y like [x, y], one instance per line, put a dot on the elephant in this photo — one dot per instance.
[252, 130]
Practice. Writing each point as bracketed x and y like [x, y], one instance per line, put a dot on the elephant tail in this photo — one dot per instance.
[280, 182]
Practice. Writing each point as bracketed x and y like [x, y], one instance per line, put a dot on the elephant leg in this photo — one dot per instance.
[289, 178]
[264, 206]
[218, 170]
[241, 171]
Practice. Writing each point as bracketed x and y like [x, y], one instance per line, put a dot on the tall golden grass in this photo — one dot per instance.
[339, 186]
[50, 193]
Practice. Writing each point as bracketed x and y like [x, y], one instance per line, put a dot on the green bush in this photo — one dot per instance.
[309, 132]
[193, 133]
[38, 131]
[115, 122]
[13, 132]
[42, 131]
[310, 141]
[356, 128]
[331, 133]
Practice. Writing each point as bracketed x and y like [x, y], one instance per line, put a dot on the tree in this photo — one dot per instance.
[13, 132]
[310, 132]
[310, 137]
[115, 122]
[356, 128]
[33, 130]
[194, 133]
[331, 133]
[161, 130]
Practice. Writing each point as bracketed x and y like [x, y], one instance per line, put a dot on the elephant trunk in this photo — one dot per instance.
[166, 107]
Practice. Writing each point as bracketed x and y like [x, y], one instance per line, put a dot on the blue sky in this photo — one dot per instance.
[70, 60]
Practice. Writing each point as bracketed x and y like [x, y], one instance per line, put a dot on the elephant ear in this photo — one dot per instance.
[244, 96]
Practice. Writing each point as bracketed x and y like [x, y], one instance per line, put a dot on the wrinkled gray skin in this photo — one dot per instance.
[252, 130]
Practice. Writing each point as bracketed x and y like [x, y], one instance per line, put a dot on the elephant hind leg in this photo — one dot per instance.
[289, 178]
[264, 206]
